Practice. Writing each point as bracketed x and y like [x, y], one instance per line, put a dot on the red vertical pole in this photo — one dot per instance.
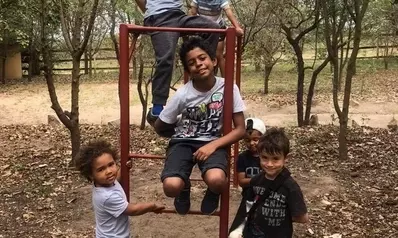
[228, 107]
[124, 107]
[237, 77]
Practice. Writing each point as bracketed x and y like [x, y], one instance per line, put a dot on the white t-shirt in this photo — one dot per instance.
[211, 9]
[201, 112]
[109, 203]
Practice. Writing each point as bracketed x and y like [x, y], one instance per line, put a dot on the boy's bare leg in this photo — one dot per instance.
[215, 179]
[220, 58]
[173, 186]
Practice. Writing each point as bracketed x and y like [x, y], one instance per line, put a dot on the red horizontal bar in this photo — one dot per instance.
[201, 180]
[146, 156]
[196, 179]
[141, 29]
[217, 213]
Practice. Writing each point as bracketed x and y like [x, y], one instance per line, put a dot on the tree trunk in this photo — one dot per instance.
[35, 61]
[385, 60]
[343, 148]
[257, 66]
[347, 51]
[90, 66]
[112, 29]
[30, 66]
[378, 47]
[3, 56]
[341, 60]
[75, 138]
[386, 54]
[351, 71]
[86, 56]
[300, 82]
[311, 89]
[74, 116]
[135, 72]
[267, 73]
[143, 96]
[3, 70]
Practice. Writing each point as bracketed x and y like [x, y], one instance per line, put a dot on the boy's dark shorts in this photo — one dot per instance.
[180, 162]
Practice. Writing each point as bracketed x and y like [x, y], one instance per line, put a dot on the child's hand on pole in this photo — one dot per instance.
[239, 31]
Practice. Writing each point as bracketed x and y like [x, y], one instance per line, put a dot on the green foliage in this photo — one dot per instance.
[14, 22]
[380, 18]
[20, 21]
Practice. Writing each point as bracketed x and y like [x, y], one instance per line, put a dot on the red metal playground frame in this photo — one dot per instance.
[125, 56]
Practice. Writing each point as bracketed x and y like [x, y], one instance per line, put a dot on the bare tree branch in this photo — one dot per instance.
[87, 33]
[48, 66]
[309, 29]
[297, 10]
[112, 14]
[65, 30]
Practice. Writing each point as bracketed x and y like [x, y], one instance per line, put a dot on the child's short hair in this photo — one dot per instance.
[274, 141]
[192, 43]
[93, 150]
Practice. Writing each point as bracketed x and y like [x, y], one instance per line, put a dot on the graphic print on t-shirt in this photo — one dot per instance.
[273, 211]
[252, 171]
[202, 120]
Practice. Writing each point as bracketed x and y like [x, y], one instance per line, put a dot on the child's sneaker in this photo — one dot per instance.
[209, 202]
[151, 118]
[182, 202]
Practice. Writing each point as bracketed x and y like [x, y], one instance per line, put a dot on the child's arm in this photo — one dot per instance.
[164, 129]
[301, 219]
[119, 174]
[241, 169]
[233, 20]
[243, 181]
[296, 204]
[142, 208]
[235, 135]
[141, 4]
[168, 118]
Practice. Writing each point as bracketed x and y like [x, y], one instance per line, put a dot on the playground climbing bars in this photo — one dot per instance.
[126, 53]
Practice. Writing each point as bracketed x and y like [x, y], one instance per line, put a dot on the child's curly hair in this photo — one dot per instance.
[274, 141]
[192, 43]
[91, 151]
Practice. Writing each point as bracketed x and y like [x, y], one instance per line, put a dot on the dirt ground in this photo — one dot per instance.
[41, 197]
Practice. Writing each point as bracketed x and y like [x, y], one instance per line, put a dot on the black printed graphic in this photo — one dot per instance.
[202, 120]
[273, 210]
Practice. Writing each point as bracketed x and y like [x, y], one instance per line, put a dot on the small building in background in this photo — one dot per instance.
[12, 64]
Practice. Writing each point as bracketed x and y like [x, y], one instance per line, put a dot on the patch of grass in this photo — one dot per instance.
[373, 65]
[283, 79]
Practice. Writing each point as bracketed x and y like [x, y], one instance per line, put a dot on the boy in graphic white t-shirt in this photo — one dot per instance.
[197, 136]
